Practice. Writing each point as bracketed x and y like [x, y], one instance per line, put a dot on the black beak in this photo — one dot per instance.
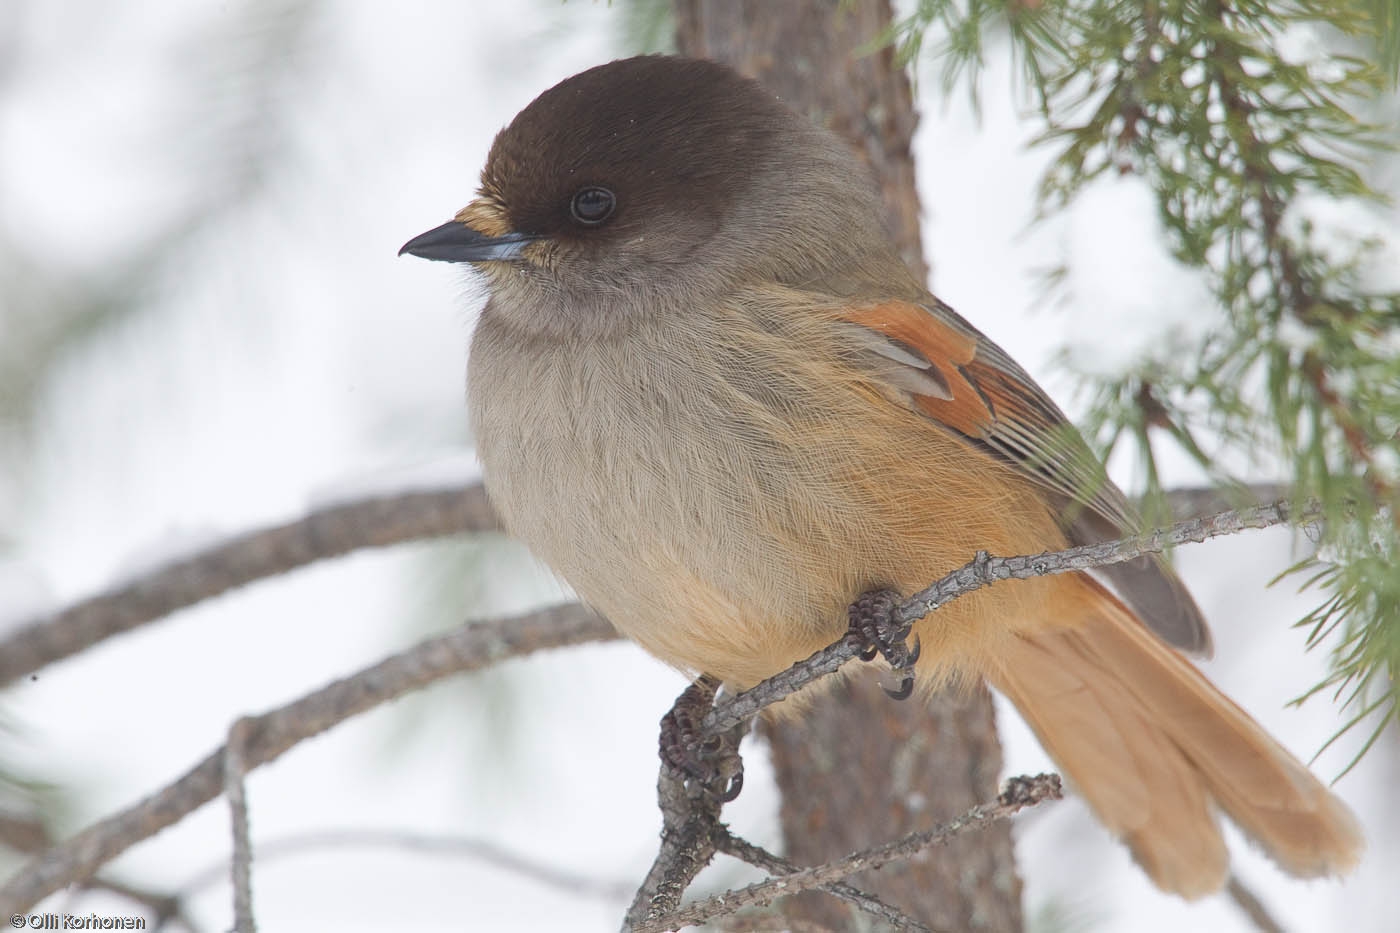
[456, 242]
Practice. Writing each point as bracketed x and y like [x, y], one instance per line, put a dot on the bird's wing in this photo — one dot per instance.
[946, 370]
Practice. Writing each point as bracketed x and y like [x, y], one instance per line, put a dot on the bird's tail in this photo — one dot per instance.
[1154, 748]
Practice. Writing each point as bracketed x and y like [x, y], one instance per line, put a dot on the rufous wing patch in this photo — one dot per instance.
[950, 350]
[999, 409]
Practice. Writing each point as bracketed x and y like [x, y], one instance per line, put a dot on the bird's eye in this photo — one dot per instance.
[592, 205]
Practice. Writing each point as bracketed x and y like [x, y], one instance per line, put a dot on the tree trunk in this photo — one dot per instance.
[859, 768]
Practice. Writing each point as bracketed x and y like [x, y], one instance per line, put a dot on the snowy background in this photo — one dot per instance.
[204, 328]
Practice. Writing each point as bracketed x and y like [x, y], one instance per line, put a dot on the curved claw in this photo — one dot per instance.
[903, 692]
[736, 784]
[711, 761]
[875, 632]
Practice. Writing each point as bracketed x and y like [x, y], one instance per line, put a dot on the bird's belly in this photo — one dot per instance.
[655, 509]
[720, 536]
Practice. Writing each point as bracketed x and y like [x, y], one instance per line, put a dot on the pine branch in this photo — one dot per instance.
[687, 845]
[984, 570]
[726, 842]
[474, 646]
[1242, 146]
[375, 521]
[690, 816]
[400, 840]
[469, 647]
[235, 792]
[1252, 906]
[1021, 792]
[30, 836]
[324, 533]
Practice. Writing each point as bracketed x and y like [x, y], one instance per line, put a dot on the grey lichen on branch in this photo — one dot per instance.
[692, 834]
[1019, 793]
[691, 817]
[746, 851]
[985, 569]
[480, 645]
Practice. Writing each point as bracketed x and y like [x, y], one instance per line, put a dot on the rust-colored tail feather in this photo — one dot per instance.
[1151, 744]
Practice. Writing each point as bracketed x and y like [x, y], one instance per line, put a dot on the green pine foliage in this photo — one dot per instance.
[1236, 137]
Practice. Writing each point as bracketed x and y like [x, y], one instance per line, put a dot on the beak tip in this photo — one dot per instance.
[455, 241]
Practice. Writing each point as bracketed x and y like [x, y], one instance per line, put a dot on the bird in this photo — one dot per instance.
[706, 390]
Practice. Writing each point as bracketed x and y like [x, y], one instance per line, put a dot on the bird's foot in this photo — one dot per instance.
[876, 629]
[712, 761]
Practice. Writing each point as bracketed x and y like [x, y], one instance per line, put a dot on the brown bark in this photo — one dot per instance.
[860, 769]
[805, 51]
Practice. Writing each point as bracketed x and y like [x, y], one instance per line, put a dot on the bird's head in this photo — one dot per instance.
[646, 184]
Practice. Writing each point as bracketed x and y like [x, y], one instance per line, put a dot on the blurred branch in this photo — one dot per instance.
[164, 909]
[1187, 502]
[984, 570]
[469, 647]
[746, 851]
[332, 531]
[1253, 908]
[407, 841]
[1020, 792]
[23, 833]
[382, 520]
[690, 813]
[30, 836]
[241, 865]
[1263, 164]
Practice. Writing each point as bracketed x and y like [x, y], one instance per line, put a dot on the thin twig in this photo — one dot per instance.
[327, 532]
[682, 854]
[427, 844]
[984, 570]
[165, 909]
[476, 646]
[1252, 906]
[30, 836]
[746, 851]
[241, 865]
[1021, 792]
[768, 923]
[23, 832]
[469, 647]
